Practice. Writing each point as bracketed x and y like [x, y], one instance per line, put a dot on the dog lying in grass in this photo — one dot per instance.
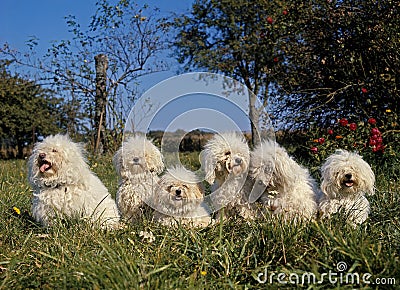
[179, 199]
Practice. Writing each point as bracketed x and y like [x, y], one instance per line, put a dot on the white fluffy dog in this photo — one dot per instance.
[138, 163]
[346, 178]
[225, 160]
[179, 198]
[280, 184]
[64, 185]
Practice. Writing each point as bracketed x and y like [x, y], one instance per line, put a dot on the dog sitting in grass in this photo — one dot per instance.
[138, 163]
[225, 161]
[346, 179]
[64, 185]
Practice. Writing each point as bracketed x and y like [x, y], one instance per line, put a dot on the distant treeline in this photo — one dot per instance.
[9, 149]
[185, 141]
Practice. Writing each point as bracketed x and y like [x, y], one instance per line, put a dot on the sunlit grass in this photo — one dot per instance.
[73, 255]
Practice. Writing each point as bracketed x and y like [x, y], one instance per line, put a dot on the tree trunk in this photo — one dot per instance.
[101, 63]
[254, 119]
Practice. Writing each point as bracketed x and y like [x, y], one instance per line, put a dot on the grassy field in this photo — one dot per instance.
[234, 254]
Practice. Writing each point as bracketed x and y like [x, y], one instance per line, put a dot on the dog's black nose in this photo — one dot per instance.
[348, 176]
[178, 192]
[238, 160]
[42, 155]
[135, 159]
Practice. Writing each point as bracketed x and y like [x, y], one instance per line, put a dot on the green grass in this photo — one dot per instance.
[73, 255]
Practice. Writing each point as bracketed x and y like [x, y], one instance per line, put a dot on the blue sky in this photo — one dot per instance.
[21, 20]
[44, 19]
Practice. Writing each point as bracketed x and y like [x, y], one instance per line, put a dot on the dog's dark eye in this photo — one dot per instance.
[54, 150]
[227, 153]
[185, 186]
[169, 188]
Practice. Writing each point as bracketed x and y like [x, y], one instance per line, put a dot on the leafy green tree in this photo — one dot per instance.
[341, 61]
[27, 111]
[129, 36]
[313, 61]
[236, 38]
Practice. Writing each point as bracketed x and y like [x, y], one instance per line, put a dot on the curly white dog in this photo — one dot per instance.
[346, 178]
[179, 198]
[64, 186]
[225, 160]
[138, 163]
[280, 184]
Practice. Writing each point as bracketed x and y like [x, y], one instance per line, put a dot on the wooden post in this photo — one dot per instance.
[101, 64]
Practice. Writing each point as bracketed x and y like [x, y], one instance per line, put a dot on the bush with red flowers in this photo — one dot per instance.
[372, 139]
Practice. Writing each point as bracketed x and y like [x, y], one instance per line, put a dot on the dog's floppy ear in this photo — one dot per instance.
[369, 180]
[154, 160]
[262, 175]
[328, 187]
[208, 164]
[196, 190]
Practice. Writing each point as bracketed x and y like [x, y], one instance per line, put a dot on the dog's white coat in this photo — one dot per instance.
[186, 206]
[64, 185]
[138, 163]
[279, 184]
[341, 193]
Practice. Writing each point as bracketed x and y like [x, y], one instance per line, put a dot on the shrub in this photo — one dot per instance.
[376, 140]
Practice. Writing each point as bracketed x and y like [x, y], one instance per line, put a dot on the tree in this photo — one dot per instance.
[236, 38]
[309, 60]
[27, 111]
[341, 61]
[130, 36]
[101, 63]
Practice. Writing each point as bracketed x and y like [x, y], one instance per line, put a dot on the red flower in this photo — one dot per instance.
[372, 142]
[375, 131]
[270, 20]
[330, 132]
[321, 140]
[284, 12]
[372, 121]
[364, 90]
[343, 122]
[276, 59]
[314, 150]
[375, 137]
[378, 147]
[353, 126]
